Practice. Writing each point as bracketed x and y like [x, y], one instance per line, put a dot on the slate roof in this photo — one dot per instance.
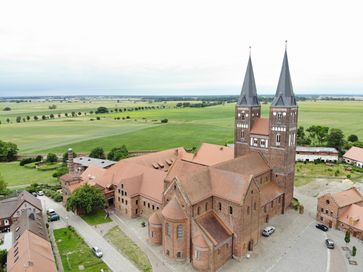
[248, 96]
[9, 206]
[284, 96]
[87, 161]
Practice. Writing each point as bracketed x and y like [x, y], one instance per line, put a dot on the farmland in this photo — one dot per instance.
[187, 127]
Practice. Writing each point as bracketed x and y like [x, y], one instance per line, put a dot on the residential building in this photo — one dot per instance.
[312, 153]
[342, 211]
[354, 156]
[11, 208]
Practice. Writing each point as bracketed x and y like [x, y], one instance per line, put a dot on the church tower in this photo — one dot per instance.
[248, 109]
[282, 132]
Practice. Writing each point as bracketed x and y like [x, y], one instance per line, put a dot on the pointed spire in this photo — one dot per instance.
[248, 96]
[284, 96]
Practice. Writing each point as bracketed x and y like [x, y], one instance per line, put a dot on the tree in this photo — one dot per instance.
[52, 107]
[318, 133]
[28, 117]
[118, 153]
[3, 186]
[35, 118]
[18, 119]
[51, 116]
[87, 199]
[301, 137]
[44, 117]
[51, 157]
[8, 120]
[102, 110]
[97, 153]
[3, 257]
[336, 138]
[164, 120]
[7, 109]
[354, 251]
[353, 138]
[8, 151]
[347, 237]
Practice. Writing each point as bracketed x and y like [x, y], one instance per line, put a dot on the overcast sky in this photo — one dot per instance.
[178, 47]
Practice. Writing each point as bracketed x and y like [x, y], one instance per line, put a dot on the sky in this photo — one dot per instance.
[169, 47]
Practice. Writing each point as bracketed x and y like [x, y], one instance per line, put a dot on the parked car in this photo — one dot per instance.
[322, 227]
[268, 231]
[51, 212]
[34, 194]
[329, 243]
[40, 193]
[97, 252]
[53, 217]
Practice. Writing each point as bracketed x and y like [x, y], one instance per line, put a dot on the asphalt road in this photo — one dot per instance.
[114, 260]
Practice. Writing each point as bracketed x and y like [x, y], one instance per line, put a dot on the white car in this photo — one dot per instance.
[40, 193]
[51, 212]
[97, 252]
[268, 231]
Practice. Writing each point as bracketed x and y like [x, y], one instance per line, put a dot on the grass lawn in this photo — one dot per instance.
[305, 173]
[187, 127]
[17, 176]
[129, 249]
[75, 252]
[98, 218]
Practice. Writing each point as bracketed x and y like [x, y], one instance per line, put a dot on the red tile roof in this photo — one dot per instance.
[354, 153]
[353, 216]
[269, 191]
[211, 154]
[173, 210]
[261, 126]
[155, 219]
[347, 197]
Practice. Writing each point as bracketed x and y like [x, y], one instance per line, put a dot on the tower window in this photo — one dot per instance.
[230, 210]
[242, 134]
[279, 116]
[243, 117]
[278, 139]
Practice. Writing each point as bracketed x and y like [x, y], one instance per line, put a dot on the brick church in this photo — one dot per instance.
[209, 207]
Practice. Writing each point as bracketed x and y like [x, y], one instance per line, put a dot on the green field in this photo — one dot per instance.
[18, 177]
[75, 252]
[187, 127]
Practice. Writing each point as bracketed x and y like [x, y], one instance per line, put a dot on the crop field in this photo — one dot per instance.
[187, 127]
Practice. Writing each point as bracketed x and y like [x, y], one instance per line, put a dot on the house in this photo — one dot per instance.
[31, 250]
[210, 206]
[343, 211]
[310, 153]
[354, 156]
[11, 208]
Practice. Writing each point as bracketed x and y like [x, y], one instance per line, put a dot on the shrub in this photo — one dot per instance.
[97, 153]
[354, 251]
[164, 121]
[26, 161]
[7, 109]
[98, 118]
[349, 176]
[51, 157]
[353, 138]
[143, 224]
[101, 110]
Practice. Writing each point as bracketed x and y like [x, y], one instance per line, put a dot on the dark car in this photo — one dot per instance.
[53, 217]
[321, 227]
[329, 243]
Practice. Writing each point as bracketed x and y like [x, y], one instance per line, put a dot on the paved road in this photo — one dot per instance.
[114, 260]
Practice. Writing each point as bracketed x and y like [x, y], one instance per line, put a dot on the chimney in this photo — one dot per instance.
[70, 161]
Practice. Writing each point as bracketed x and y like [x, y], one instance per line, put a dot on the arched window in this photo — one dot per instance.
[168, 229]
[230, 210]
[198, 210]
[220, 206]
[278, 138]
[180, 232]
[206, 206]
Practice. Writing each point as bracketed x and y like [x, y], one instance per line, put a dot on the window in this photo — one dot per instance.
[196, 254]
[206, 206]
[327, 212]
[327, 201]
[180, 232]
[322, 209]
[119, 199]
[125, 193]
[220, 206]
[148, 205]
[137, 202]
[279, 116]
[198, 210]
[255, 142]
[331, 213]
[230, 210]
[262, 143]
[243, 117]
[248, 209]
[169, 230]
[126, 202]
[242, 134]
[122, 200]
[178, 255]
[278, 139]
[122, 186]
[119, 191]
[219, 251]
[153, 207]
[122, 193]
[144, 203]
[136, 211]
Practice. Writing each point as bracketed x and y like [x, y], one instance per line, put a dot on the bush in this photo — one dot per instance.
[60, 172]
[143, 224]
[8, 151]
[98, 153]
[98, 118]
[349, 176]
[38, 158]
[164, 121]
[26, 161]
[101, 110]
[118, 153]
[51, 157]
[353, 138]
[354, 251]
[7, 109]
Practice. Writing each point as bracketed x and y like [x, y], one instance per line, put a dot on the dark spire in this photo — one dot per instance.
[248, 96]
[284, 96]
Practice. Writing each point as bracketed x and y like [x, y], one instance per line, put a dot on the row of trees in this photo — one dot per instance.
[116, 153]
[325, 136]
